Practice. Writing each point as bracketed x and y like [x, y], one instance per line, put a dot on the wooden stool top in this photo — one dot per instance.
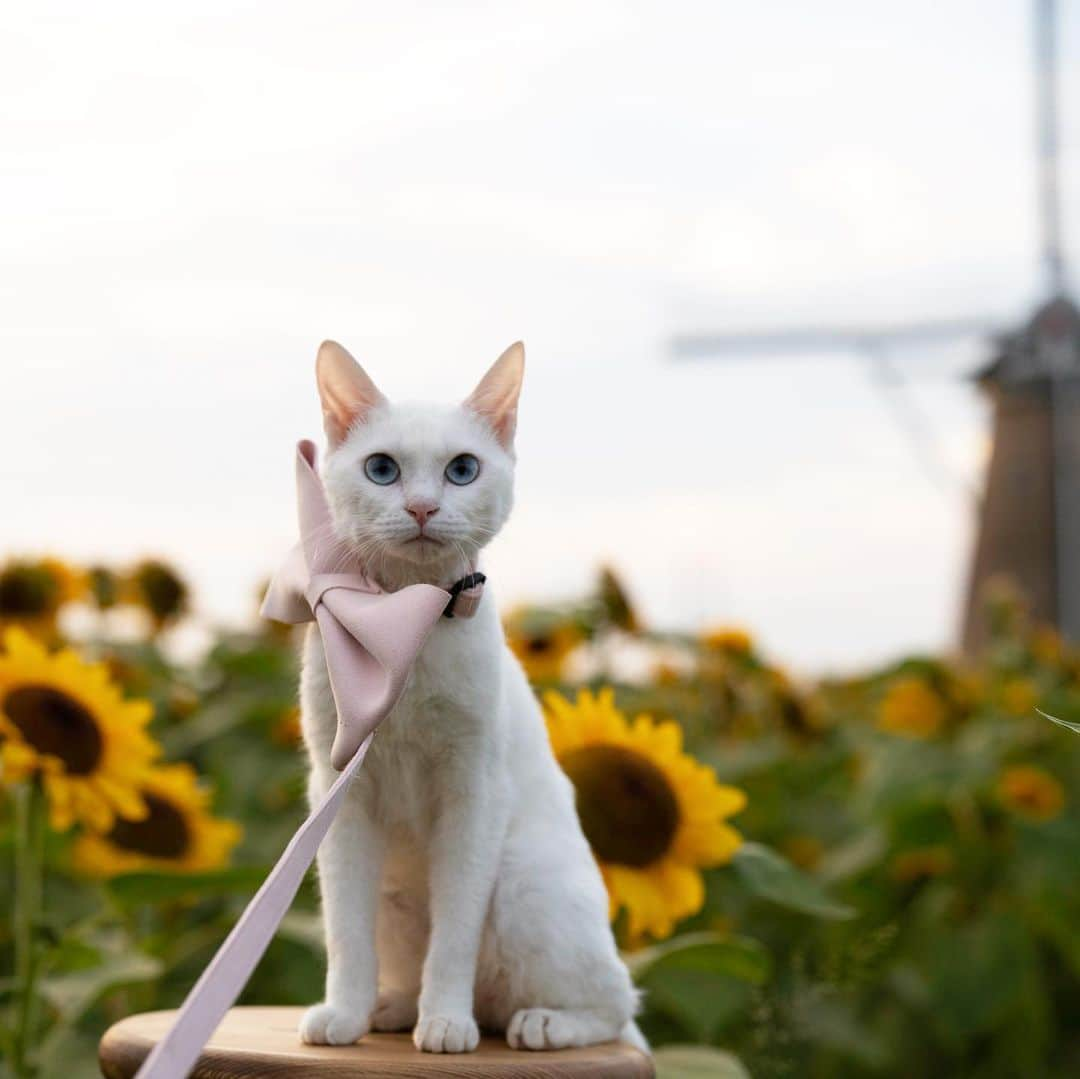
[264, 1042]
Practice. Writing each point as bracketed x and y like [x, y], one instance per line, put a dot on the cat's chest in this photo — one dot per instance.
[444, 718]
[454, 670]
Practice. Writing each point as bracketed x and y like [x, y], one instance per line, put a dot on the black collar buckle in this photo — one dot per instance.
[472, 580]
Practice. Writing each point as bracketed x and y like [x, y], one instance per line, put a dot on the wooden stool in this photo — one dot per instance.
[263, 1042]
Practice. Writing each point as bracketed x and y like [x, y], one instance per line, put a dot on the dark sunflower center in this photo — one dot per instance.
[627, 808]
[26, 591]
[54, 723]
[165, 594]
[1030, 798]
[538, 646]
[163, 833]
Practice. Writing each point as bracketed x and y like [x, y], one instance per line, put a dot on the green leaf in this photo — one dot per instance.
[305, 928]
[770, 876]
[713, 953]
[136, 889]
[697, 1062]
[213, 722]
[826, 1020]
[902, 773]
[72, 995]
[1052, 917]
[1060, 722]
[702, 981]
[701, 1002]
[978, 973]
[864, 850]
[69, 1052]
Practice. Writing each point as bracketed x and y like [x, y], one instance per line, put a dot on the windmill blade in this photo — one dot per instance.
[915, 426]
[817, 339]
[873, 346]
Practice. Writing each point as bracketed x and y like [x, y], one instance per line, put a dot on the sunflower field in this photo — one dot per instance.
[868, 876]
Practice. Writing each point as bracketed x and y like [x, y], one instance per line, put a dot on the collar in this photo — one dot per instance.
[465, 596]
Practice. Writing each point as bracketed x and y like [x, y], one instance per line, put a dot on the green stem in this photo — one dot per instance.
[20, 921]
[29, 863]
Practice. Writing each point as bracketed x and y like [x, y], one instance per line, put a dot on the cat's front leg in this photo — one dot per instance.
[464, 856]
[350, 863]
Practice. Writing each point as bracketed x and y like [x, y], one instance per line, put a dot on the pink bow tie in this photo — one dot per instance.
[371, 638]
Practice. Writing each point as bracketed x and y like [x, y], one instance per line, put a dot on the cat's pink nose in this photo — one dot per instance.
[421, 510]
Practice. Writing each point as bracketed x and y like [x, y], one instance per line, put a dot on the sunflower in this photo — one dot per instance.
[666, 674]
[806, 851]
[797, 712]
[103, 585]
[730, 640]
[615, 602]
[912, 708]
[920, 863]
[64, 720]
[1046, 646]
[32, 593]
[178, 833]
[1019, 696]
[541, 640]
[159, 589]
[653, 815]
[286, 728]
[1030, 792]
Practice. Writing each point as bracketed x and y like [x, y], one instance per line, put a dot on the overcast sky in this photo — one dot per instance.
[194, 196]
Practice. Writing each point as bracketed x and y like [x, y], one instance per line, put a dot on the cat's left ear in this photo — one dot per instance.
[345, 390]
[496, 398]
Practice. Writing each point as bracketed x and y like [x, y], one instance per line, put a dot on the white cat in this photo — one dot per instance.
[457, 886]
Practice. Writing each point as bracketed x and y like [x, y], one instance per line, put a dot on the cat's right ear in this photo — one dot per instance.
[345, 390]
[496, 398]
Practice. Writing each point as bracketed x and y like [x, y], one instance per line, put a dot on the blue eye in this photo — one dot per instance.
[382, 469]
[463, 469]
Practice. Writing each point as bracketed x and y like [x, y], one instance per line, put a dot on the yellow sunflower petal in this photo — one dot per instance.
[16, 761]
[61, 813]
[707, 845]
[682, 888]
[638, 893]
[128, 801]
[20, 645]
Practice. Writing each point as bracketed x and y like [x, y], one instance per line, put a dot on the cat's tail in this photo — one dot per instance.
[633, 1036]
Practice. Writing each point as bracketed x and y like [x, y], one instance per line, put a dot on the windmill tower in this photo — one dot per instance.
[1029, 516]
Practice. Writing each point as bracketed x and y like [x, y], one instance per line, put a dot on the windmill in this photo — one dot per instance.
[1029, 512]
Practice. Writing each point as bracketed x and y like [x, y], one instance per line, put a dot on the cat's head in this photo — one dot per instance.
[417, 490]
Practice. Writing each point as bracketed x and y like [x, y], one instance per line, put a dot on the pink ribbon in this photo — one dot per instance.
[371, 639]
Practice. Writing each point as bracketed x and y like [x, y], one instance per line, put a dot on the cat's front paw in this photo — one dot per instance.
[324, 1024]
[446, 1034]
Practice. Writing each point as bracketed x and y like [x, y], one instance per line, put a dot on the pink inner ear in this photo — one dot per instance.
[345, 390]
[496, 397]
